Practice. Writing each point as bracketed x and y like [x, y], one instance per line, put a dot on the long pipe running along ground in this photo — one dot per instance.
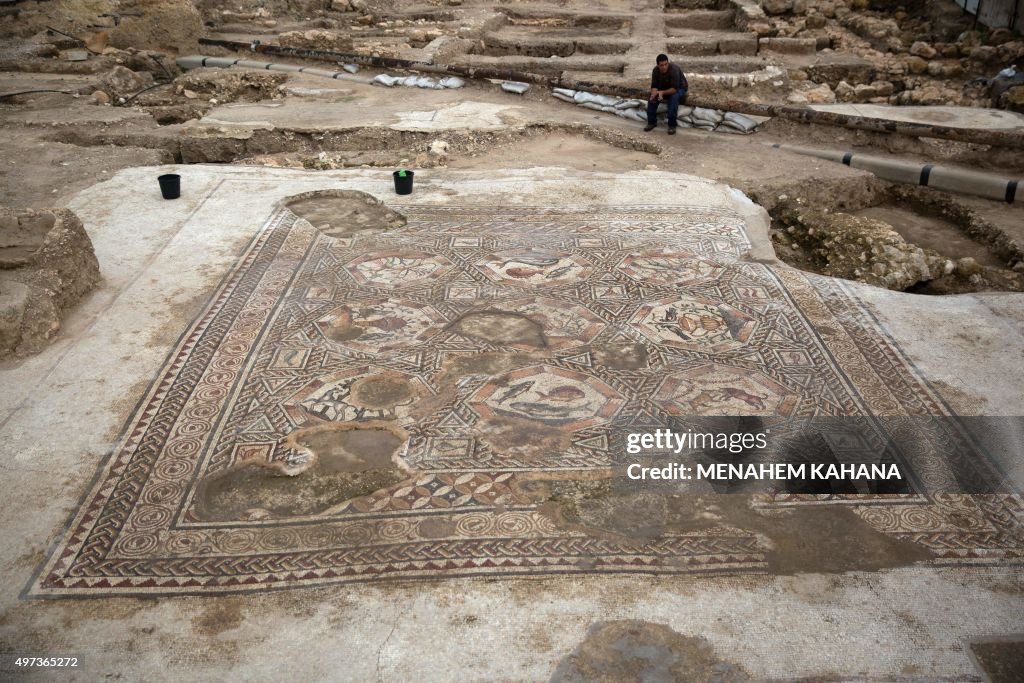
[926, 175]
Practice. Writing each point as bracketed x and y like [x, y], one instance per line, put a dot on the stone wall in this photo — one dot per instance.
[47, 264]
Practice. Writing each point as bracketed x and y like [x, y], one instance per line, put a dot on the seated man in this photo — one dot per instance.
[668, 84]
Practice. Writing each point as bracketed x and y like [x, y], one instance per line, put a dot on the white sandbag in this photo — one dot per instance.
[662, 108]
[629, 104]
[606, 100]
[740, 122]
[592, 105]
[426, 82]
[351, 68]
[564, 98]
[515, 87]
[564, 91]
[384, 79]
[710, 115]
[452, 82]
[582, 96]
[733, 131]
[685, 111]
[610, 110]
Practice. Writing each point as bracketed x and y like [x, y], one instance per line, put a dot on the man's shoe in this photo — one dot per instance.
[671, 131]
[648, 128]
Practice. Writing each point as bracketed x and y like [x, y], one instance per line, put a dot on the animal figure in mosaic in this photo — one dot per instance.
[713, 398]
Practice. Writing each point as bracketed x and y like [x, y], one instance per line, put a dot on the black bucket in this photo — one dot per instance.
[170, 185]
[403, 184]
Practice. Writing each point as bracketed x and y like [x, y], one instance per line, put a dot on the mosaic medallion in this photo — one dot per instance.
[394, 269]
[696, 324]
[530, 322]
[552, 396]
[720, 390]
[669, 267]
[534, 267]
[383, 325]
[357, 394]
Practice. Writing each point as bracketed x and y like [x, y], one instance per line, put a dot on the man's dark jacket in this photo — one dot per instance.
[673, 78]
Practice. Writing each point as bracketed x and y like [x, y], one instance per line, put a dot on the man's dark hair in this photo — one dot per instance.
[661, 58]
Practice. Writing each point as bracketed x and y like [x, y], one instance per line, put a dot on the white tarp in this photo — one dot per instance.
[689, 117]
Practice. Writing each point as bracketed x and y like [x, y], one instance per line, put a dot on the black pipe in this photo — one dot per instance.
[27, 92]
[81, 42]
[155, 85]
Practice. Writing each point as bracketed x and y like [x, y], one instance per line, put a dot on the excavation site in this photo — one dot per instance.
[539, 340]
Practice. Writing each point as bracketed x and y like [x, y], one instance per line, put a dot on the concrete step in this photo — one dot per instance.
[789, 46]
[500, 44]
[527, 15]
[701, 20]
[692, 4]
[713, 42]
[720, 64]
[542, 65]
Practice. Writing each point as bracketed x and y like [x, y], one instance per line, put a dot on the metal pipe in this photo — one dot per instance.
[926, 175]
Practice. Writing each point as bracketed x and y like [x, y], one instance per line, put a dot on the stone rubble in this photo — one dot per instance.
[856, 247]
[47, 264]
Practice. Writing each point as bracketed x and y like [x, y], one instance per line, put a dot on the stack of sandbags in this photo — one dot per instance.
[737, 123]
[419, 82]
[515, 87]
[626, 108]
[688, 117]
[707, 119]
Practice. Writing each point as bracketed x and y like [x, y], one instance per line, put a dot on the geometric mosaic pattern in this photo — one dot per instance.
[305, 324]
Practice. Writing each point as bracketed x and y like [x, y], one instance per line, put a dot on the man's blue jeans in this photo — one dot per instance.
[673, 109]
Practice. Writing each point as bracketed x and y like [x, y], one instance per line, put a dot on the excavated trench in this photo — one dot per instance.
[384, 143]
[895, 236]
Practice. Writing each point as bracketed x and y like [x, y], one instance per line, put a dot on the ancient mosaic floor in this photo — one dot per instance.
[362, 404]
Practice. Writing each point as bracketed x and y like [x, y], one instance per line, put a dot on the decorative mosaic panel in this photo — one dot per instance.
[593, 317]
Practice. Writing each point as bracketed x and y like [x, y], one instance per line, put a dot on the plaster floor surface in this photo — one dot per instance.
[458, 376]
